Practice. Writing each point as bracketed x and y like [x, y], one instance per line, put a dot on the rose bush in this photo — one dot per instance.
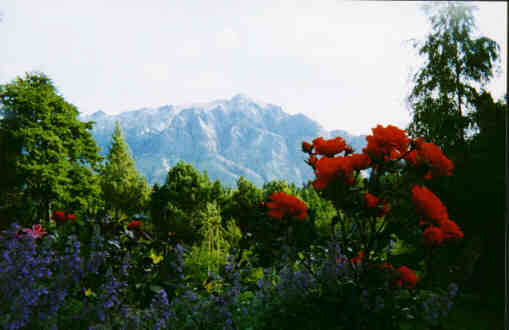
[384, 152]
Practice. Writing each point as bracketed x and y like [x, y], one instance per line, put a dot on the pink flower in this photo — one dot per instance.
[35, 232]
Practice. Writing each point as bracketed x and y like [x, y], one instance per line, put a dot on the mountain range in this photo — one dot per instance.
[226, 138]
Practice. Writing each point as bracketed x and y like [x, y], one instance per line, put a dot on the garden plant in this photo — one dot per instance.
[106, 273]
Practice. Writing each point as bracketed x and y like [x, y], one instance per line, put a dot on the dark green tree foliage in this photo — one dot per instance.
[47, 138]
[277, 186]
[188, 189]
[320, 211]
[244, 205]
[85, 195]
[125, 191]
[475, 198]
[177, 204]
[157, 209]
[11, 192]
[220, 194]
[446, 87]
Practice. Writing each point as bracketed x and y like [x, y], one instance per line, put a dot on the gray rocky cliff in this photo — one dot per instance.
[227, 138]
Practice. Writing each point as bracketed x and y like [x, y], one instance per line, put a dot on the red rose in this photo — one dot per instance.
[433, 235]
[306, 147]
[407, 277]
[283, 204]
[59, 216]
[133, 225]
[330, 147]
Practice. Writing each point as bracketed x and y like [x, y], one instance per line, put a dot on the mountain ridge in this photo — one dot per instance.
[227, 138]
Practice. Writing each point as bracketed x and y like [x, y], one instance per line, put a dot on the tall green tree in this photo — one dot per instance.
[176, 205]
[125, 191]
[457, 67]
[45, 141]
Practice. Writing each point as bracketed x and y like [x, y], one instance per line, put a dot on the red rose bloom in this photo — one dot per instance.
[451, 229]
[357, 259]
[407, 277]
[440, 165]
[385, 208]
[371, 200]
[386, 143]
[328, 169]
[350, 180]
[306, 147]
[134, 225]
[412, 158]
[428, 204]
[429, 153]
[312, 160]
[329, 148]
[59, 216]
[359, 161]
[433, 235]
[286, 205]
[386, 266]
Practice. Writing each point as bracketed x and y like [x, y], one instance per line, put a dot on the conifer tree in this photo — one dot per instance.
[214, 245]
[125, 191]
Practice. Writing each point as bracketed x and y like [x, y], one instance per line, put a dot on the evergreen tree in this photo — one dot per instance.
[45, 141]
[447, 86]
[125, 191]
[214, 245]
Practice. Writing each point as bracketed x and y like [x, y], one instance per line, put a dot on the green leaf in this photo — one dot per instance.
[156, 288]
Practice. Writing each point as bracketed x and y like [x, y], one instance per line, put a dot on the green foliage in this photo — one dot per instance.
[214, 243]
[207, 259]
[320, 210]
[85, 195]
[176, 206]
[48, 144]
[446, 87]
[449, 97]
[188, 189]
[475, 201]
[277, 186]
[232, 233]
[125, 191]
[243, 206]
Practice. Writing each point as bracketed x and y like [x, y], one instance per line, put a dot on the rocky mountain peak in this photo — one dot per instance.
[227, 138]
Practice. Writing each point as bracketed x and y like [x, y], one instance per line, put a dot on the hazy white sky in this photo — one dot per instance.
[343, 64]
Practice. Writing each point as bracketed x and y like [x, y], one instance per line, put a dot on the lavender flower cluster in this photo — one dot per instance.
[436, 306]
[34, 282]
[37, 287]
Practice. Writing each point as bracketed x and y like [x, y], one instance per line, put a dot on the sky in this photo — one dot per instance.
[345, 64]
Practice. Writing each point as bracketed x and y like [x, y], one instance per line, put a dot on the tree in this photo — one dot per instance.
[125, 191]
[45, 141]
[175, 206]
[480, 184]
[447, 86]
[214, 245]
[188, 188]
